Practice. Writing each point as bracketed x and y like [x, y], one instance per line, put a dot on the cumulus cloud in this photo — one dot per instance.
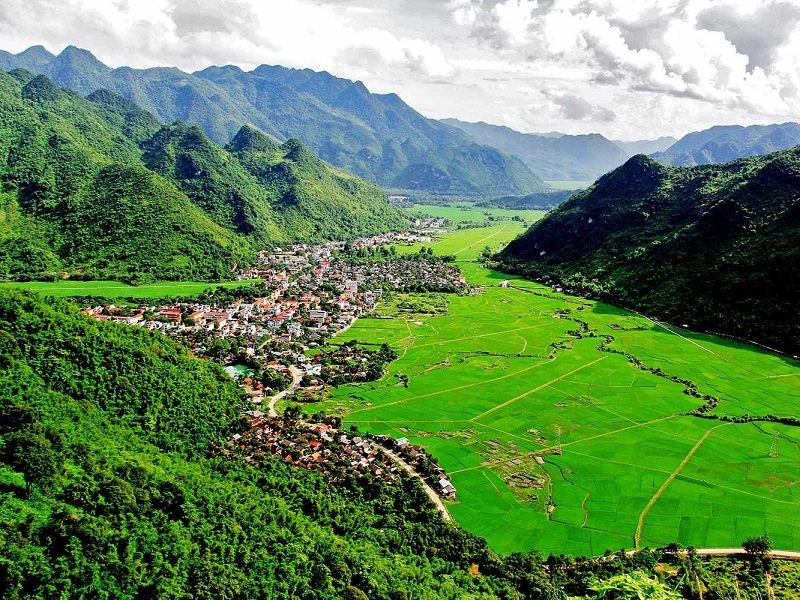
[577, 108]
[680, 48]
[194, 33]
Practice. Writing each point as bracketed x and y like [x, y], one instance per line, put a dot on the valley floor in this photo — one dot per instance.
[567, 425]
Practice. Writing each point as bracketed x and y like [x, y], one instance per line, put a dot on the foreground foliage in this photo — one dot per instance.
[107, 491]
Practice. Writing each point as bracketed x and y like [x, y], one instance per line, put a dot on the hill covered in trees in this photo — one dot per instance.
[97, 187]
[377, 137]
[715, 247]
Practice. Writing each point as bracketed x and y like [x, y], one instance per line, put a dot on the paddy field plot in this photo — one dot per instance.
[116, 289]
[556, 444]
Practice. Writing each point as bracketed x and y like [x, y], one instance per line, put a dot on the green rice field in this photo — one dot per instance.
[115, 289]
[465, 212]
[558, 445]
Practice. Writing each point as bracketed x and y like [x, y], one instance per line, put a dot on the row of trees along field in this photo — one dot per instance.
[108, 490]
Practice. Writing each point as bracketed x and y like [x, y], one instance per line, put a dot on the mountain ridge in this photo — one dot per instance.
[99, 189]
[723, 143]
[376, 137]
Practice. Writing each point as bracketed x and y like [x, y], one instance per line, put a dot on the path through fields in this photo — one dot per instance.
[638, 535]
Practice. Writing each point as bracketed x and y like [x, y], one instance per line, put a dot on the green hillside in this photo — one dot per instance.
[98, 188]
[714, 247]
[377, 137]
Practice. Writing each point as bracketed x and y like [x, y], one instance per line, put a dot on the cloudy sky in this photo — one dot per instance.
[629, 69]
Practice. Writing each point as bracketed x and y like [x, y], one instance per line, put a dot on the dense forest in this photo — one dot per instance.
[715, 247]
[97, 188]
[374, 136]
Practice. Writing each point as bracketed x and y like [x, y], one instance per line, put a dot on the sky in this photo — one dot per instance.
[629, 69]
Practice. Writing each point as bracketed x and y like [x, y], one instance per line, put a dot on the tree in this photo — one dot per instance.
[632, 586]
[757, 546]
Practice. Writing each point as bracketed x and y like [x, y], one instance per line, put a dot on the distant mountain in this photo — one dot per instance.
[729, 142]
[646, 146]
[377, 137]
[716, 247]
[99, 188]
[566, 157]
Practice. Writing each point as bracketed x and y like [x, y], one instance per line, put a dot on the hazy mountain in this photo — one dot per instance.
[729, 142]
[716, 247]
[99, 188]
[646, 146]
[566, 157]
[377, 137]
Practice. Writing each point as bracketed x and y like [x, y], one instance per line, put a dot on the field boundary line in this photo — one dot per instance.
[474, 337]
[536, 389]
[455, 389]
[637, 537]
[599, 435]
[502, 228]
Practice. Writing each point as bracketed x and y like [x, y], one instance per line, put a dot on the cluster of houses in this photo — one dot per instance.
[318, 446]
[307, 296]
[330, 451]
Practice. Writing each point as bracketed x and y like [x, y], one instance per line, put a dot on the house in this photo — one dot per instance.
[171, 314]
[446, 488]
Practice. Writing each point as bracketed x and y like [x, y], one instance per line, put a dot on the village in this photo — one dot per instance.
[336, 454]
[271, 336]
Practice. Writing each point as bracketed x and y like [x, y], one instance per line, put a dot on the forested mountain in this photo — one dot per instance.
[378, 137]
[716, 247]
[563, 157]
[99, 188]
[729, 142]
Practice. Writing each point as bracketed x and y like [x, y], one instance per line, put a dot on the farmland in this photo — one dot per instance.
[566, 424]
[115, 289]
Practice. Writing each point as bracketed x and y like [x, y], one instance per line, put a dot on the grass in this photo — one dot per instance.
[465, 212]
[497, 382]
[115, 289]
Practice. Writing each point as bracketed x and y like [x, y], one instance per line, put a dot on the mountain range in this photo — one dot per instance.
[728, 142]
[377, 137]
[99, 188]
[715, 247]
[561, 157]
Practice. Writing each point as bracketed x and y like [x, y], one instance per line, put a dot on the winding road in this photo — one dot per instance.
[297, 376]
[428, 489]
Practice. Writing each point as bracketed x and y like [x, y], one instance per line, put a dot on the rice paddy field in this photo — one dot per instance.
[556, 444]
[116, 289]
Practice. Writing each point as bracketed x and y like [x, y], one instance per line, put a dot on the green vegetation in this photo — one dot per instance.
[115, 289]
[96, 189]
[715, 247]
[378, 137]
[515, 373]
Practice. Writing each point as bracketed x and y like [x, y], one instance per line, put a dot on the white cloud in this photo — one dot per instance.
[524, 63]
